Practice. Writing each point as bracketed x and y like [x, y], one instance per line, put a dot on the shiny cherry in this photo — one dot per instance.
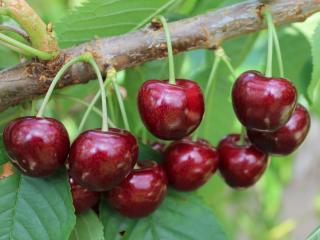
[263, 103]
[240, 165]
[171, 112]
[82, 198]
[141, 192]
[286, 139]
[36, 146]
[190, 164]
[101, 160]
[157, 146]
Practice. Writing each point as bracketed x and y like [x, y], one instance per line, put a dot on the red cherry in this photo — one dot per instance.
[240, 165]
[82, 198]
[286, 139]
[36, 146]
[169, 111]
[101, 160]
[157, 146]
[141, 192]
[189, 164]
[263, 103]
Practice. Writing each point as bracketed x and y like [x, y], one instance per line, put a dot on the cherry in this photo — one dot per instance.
[101, 160]
[263, 103]
[36, 146]
[286, 139]
[171, 112]
[240, 165]
[82, 198]
[189, 164]
[157, 146]
[141, 192]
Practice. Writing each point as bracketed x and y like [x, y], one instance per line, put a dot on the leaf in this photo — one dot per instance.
[180, 216]
[88, 227]
[36, 209]
[314, 86]
[101, 18]
[3, 154]
[315, 235]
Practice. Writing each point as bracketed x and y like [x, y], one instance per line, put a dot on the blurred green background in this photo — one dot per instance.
[285, 203]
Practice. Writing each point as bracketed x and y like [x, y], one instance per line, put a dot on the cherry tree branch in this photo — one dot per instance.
[32, 79]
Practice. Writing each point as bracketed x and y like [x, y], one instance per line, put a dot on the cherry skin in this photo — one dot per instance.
[263, 103]
[141, 192]
[82, 198]
[101, 160]
[286, 139]
[171, 112]
[240, 165]
[190, 164]
[36, 146]
[157, 146]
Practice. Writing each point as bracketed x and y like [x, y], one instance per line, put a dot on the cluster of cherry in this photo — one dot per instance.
[106, 161]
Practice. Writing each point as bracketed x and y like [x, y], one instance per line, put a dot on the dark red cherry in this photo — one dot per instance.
[141, 192]
[286, 139]
[157, 146]
[169, 111]
[189, 164]
[263, 103]
[240, 165]
[82, 198]
[101, 160]
[36, 146]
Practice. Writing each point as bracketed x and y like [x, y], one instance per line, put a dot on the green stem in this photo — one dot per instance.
[33, 107]
[276, 42]
[84, 103]
[243, 135]
[172, 78]
[91, 106]
[211, 85]
[103, 94]
[25, 49]
[13, 29]
[221, 54]
[111, 106]
[41, 37]
[18, 50]
[56, 79]
[270, 45]
[119, 97]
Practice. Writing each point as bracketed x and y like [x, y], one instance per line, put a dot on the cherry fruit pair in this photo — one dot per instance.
[268, 108]
[275, 124]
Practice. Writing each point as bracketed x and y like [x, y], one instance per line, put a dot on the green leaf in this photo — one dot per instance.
[180, 216]
[315, 235]
[36, 209]
[3, 154]
[88, 227]
[314, 87]
[101, 18]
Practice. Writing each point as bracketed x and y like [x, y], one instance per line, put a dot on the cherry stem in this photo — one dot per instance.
[172, 77]
[84, 103]
[55, 81]
[9, 28]
[211, 85]
[270, 44]
[113, 76]
[25, 49]
[222, 54]
[276, 42]
[243, 135]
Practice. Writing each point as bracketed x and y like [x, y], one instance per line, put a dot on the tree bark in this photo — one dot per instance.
[31, 79]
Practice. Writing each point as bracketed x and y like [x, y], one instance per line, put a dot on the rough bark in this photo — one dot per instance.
[32, 79]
